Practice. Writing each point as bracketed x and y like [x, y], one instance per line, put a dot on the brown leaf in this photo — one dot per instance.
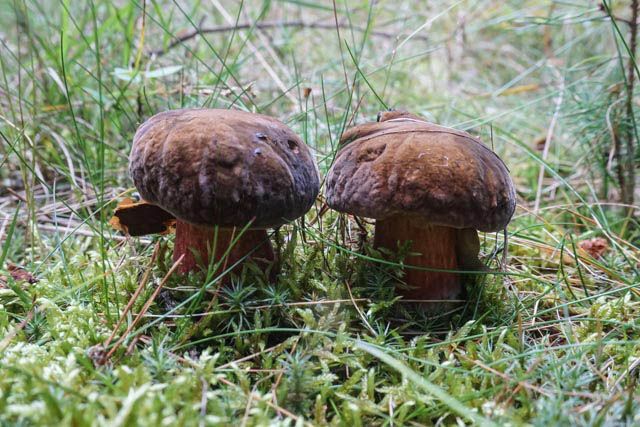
[539, 143]
[306, 92]
[141, 218]
[19, 274]
[595, 247]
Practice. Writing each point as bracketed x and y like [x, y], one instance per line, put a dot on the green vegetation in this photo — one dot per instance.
[551, 339]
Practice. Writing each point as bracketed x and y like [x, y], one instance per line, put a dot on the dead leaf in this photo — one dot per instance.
[539, 143]
[141, 218]
[595, 247]
[19, 274]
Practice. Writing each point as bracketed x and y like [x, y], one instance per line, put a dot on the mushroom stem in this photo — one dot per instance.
[193, 238]
[436, 248]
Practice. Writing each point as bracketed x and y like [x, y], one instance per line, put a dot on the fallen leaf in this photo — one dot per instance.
[141, 218]
[540, 143]
[19, 274]
[595, 247]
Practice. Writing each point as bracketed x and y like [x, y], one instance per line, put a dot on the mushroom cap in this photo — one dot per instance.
[223, 167]
[403, 165]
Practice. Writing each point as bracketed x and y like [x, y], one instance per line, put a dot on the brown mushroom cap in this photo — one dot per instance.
[404, 165]
[223, 167]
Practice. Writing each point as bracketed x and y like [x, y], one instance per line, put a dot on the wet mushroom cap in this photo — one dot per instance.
[403, 165]
[223, 167]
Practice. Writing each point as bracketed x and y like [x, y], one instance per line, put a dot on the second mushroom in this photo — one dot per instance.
[425, 184]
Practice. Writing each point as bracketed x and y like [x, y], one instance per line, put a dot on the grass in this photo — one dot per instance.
[552, 339]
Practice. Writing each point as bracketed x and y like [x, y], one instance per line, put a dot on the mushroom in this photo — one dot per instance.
[239, 171]
[431, 185]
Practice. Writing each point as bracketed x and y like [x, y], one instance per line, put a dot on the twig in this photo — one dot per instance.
[617, 18]
[245, 417]
[323, 209]
[135, 295]
[632, 367]
[144, 308]
[364, 319]
[16, 195]
[629, 187]
[615, 147]
[276, 384]
[626, 161]
[265, 25]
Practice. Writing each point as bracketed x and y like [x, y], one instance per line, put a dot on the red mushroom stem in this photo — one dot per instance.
[193, 238]
[435, 247]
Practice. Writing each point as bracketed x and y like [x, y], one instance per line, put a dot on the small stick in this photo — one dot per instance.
[16, 195]
[277, 383]
[245, 417]
[263, 26]
[364, 319]
[135, 295]
[145, 307]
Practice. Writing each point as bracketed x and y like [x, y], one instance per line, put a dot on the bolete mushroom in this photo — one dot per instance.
[427, 184]
[224, 168]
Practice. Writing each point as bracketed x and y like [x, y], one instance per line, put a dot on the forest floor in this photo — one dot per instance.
[551, 337]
